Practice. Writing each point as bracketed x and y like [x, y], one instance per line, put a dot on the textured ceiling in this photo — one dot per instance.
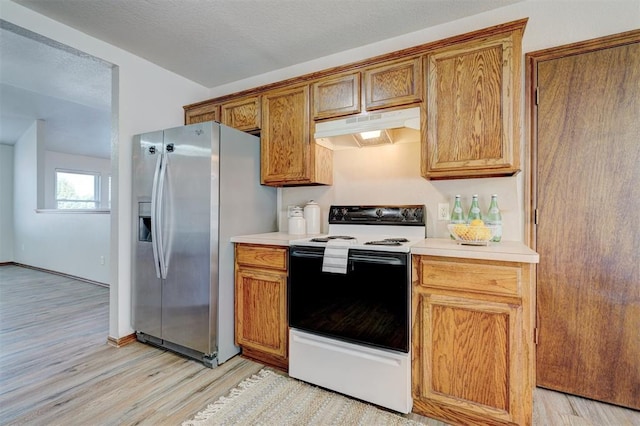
[212, 42]
[68, 90]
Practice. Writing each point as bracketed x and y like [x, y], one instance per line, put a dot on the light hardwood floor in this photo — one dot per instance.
[57, 369]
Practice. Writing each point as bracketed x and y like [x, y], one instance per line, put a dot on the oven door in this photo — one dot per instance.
[368, 305]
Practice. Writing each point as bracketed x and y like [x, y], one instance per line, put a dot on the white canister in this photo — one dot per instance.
[312, 216]
[297, 224]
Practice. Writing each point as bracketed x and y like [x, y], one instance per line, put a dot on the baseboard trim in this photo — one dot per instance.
[73, 277]
[122, 341]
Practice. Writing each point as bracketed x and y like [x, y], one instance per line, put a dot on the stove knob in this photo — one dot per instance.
[379, 212]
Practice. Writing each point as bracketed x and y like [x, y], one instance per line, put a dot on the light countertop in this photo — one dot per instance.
[269, 238]
[507, 251]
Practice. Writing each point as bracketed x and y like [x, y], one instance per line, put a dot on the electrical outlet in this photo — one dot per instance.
[102, 260]
[443, 211]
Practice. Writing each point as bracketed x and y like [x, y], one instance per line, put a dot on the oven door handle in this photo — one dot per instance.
[377, 259]
[353, 257]
[308, 254]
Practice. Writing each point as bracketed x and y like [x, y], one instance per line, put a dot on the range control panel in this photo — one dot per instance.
[378, 215]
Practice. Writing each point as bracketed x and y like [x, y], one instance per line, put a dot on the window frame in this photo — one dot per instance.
[97, 196]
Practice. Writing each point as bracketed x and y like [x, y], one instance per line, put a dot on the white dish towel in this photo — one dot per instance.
[336, 255]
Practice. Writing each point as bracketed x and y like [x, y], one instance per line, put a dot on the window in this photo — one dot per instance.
[77, 190]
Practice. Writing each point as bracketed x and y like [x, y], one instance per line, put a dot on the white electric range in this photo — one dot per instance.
[350, 303]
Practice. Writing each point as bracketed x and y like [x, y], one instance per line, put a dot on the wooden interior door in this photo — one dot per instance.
[587, 196]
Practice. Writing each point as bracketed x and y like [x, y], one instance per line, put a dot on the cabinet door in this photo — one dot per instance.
[473, 108]
[466, 364]
[261, 317]
[201, 113]
[285, 145]
[394, 84]
[336, 96]
[472, 341]
[242, 114]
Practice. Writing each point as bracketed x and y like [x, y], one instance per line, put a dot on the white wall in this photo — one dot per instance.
[72, 243]
[146, 97]
[390, 174]
[58, 160]
[6, 203]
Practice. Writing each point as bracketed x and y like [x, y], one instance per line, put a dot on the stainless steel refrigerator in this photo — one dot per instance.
[194, 187]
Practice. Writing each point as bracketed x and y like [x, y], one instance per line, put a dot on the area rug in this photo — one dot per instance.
[268, 398]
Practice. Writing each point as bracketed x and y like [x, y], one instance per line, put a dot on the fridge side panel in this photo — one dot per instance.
[246, 207]
[146, 293]
[186, 202]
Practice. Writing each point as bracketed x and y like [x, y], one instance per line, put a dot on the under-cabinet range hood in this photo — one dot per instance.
[370, 129]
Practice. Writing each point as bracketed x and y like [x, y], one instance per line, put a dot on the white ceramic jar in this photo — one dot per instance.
[297, 223]
[312, 217]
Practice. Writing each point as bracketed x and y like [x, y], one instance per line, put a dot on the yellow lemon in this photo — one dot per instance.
[477, 222]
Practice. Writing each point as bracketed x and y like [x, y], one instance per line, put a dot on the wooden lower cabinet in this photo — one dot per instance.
[473, 354]
[261, 303]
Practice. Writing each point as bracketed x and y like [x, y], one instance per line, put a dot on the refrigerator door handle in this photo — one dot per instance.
[160, 197]
[154, 218]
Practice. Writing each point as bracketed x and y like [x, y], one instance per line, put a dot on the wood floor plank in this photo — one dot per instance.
[57, 369]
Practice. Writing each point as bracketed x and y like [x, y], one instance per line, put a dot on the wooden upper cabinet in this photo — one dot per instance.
[288, 156]
[242, 114]
[473, 107]
[393, 84]
[468, 89]
[336, 96]
[199, 113]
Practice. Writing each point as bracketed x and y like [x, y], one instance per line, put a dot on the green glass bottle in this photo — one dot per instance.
[474, 210]
[494, 218]
[457, 215]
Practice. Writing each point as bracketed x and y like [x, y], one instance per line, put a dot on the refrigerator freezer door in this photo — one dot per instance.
[147, 286]
[190, 187]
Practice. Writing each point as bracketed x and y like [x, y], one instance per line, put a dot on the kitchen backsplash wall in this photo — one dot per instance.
[390, 174]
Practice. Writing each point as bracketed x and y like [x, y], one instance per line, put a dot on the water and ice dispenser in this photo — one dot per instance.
[144, 222]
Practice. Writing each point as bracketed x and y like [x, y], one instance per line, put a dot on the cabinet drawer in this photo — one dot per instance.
[267, 257]
[497, 278]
